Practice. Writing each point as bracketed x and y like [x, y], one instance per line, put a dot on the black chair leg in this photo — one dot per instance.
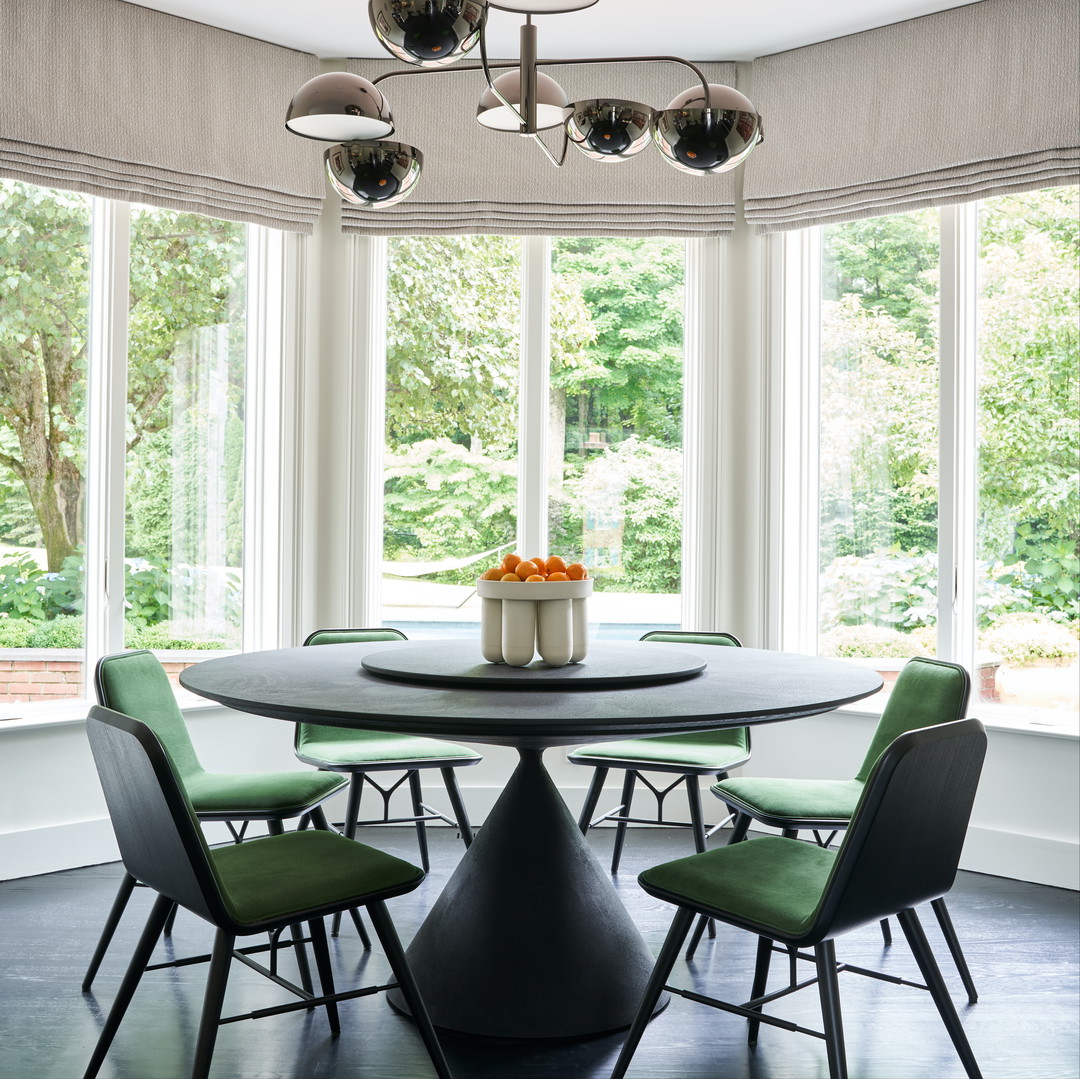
[829, 993]
[761, 980]
[948, 931]
[680, 926]
[592, 796]
[620, 829]
[457, 803]
[326, 973]
[920, 947]
[143, 950]
[739, 828]
[352, 815]
[417, 793]
[395, 956]
[123, 894]
[697, 824]
[216, 980]
[886, 932]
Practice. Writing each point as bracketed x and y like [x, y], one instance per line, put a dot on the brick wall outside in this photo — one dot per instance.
[41, 674]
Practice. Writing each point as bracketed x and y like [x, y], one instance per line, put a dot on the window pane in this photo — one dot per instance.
[453, 348]
[185, 434]
[44, 292]
[616, 425]
[1029, 447]
[878, 447]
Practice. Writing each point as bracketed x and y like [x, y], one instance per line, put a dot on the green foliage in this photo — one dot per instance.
[630, 379]
[865, 641]
[441, 497]
[1021, 638]
[1047, 568]
[889, 263]
[164, 636]
[15, 632]
[64, 631]
[22, 590]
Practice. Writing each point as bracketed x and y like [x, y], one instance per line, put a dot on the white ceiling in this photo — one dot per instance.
[693, 29]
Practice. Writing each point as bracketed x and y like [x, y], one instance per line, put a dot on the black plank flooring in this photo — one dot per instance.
[1021, 941]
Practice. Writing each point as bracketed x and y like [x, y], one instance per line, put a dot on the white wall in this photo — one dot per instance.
[1026, 822]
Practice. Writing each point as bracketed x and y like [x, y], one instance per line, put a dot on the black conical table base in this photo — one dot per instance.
[528, 939]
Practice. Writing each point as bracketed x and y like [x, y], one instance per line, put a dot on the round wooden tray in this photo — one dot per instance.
[459, 663]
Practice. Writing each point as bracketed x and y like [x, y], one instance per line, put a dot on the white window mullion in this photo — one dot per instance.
[107, 427]
[702, 397]
[533, 403]
[958, 435]
[793, 329]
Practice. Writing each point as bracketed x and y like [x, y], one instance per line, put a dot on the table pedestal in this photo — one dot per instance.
[528, 939]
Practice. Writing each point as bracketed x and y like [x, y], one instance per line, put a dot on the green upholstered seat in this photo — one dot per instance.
[686, 756]
[264, 885]
[362, 754]
[901, 849]
[927, 692]
[135, 683]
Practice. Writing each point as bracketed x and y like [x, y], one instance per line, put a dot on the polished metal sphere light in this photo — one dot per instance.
[551, 103]
[339, 107]
[374, 173]
[608, 129]
[699, 136]
[428, 33]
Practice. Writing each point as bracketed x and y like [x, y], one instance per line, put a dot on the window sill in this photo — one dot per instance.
[28, 717]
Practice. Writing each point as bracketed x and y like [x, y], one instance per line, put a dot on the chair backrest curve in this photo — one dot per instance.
[927, 692]
[904, 842]
[135, 683]
[160, 840]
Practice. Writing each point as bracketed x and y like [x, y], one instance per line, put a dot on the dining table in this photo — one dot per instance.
[528, 939]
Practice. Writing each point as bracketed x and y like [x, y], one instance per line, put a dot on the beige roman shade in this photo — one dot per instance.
[116, 100]
[960, 105]
[481, 181]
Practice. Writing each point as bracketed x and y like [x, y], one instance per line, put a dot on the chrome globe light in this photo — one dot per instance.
[699, 136]
[374, 173]
[551, 103]
[428, 33]
[608, 129]
[339, 107]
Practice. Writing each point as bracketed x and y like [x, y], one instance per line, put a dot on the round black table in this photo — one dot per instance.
[528, 939]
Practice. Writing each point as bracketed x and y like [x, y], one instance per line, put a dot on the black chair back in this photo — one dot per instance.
[906, 836]
[160, 840]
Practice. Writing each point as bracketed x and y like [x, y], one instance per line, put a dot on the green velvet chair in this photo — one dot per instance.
[901, 848]
[261, 886]
[364, 754]
[927, 692]
[685, 756]
[135, 683]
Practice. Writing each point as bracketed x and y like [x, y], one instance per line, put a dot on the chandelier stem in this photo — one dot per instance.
[527, 52]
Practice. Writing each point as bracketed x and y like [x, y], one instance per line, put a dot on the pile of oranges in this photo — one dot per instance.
[515, 568]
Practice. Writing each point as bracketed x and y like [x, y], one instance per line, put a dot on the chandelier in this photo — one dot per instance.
[708, 128]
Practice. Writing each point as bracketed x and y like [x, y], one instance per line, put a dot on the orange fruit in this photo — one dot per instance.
[492, 575]
[576, 571]
[525, 569]
[510, 577]
[535, 577]
[557, 576]
[555, 564]
[541, 566]
[509, 562]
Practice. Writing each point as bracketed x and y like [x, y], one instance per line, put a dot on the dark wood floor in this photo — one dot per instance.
[1021, 941]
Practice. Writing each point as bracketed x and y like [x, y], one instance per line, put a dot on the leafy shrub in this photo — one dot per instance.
[876, 642]
[14, 632]
[66, 631]
[22, 594]
[1021, 638]
[162, 637]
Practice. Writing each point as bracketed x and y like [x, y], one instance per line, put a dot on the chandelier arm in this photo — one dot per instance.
[559, 161]
[487, 66]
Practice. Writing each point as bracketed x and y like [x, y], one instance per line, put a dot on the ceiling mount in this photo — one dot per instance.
[708, 128]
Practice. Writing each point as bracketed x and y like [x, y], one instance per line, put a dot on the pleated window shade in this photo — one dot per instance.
[956, 106]
[494, 182]
[113, 99]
